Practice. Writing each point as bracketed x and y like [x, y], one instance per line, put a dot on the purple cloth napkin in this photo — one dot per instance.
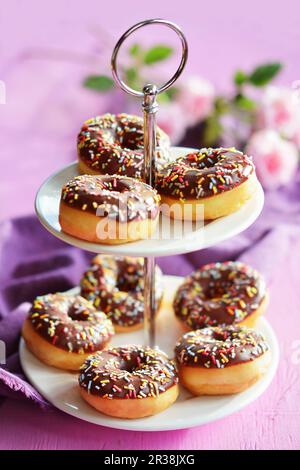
[34, 263]
[12, 382]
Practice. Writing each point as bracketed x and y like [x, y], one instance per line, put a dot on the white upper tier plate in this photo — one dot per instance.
[61, 387]
[194, 237]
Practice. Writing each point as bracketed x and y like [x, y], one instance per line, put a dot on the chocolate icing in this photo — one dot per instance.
[70, 322]
[203, 174]
[116, 197]
[116, 286]
[219, 347]
[219, 293]
[114, 144]
[128, 372]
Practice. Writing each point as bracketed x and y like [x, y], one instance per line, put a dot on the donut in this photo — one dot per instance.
[129, 381]
[116, 286]
[221, 360]
[207, 184]
[114, 144]
[108, 209]
[221, 293]
[63, 330]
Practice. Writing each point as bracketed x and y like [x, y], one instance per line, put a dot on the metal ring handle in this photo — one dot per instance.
[131, 30]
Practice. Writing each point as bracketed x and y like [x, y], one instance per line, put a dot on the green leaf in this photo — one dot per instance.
[221, 105]
[163, 98]
[172, 92]
[131, 75]
[212, 131]
[135, 49]
[157, 53]
[99, 82]
[264, 73]
[240, 78]
[168, 95]
[244, 103]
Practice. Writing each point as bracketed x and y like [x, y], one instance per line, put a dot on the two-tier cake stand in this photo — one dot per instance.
[172, 237]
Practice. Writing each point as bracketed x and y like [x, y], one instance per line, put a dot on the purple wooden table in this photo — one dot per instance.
[53, 47]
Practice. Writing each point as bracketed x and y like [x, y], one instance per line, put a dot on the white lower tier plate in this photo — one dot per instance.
[182, 240]
[61, 388]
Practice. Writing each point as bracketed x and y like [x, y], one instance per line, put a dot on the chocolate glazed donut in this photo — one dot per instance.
[116, 286]
[108, 209]
[217, 180]
[221, 360]
[221, 293]
[62, 330]
[129, 381]
[114, 144]
[204, 173]
[219, 347]
[116, 196]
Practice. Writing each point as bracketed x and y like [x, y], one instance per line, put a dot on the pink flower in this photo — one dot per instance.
[275, 158]
[196, 97]
[280, 110]
[171, 119]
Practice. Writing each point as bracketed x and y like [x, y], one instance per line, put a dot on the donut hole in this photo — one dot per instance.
[119, 185]
[230, 283]
[132, 364]
[221, 335]
[125, 284]
[216, 289]
[129, 367]
[215, 293]
[219, 288]
[130, 138]
[129, 278]
[79, 311]
[124, 275]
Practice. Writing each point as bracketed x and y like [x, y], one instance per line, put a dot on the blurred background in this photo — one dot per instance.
[240, 87]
